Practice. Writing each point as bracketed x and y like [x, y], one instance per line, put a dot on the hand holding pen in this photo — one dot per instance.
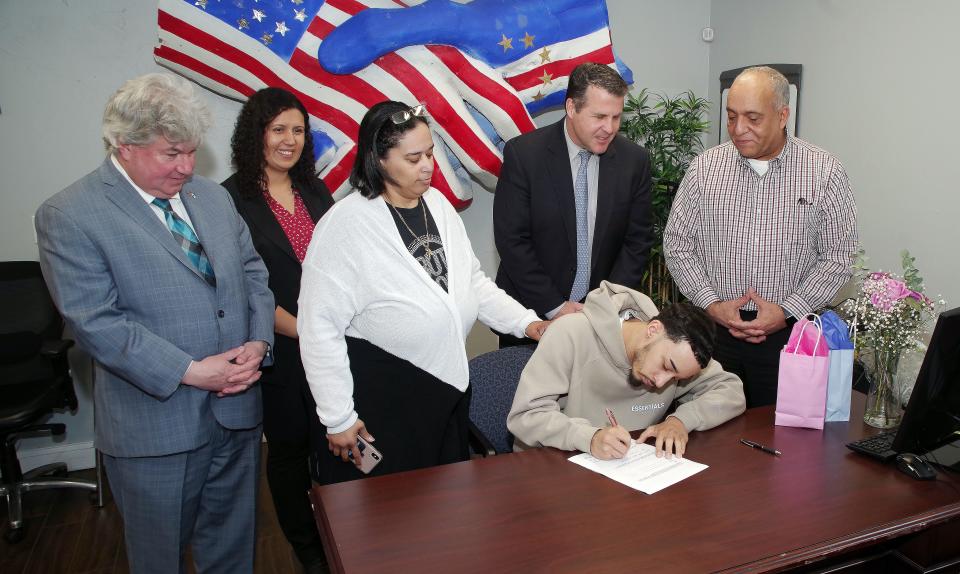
[612, 441]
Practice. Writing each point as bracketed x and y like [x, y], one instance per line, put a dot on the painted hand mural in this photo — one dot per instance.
[482, 67]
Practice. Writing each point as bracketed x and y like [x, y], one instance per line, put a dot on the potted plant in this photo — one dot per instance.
[670, 129]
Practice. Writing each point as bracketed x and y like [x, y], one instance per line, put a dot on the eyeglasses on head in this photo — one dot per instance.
[403, 116]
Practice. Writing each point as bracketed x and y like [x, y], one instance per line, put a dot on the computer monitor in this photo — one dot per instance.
[931, 421]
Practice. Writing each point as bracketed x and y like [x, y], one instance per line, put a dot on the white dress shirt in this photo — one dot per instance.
[175, 202]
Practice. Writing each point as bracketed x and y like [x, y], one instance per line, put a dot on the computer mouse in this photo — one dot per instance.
[915, 467]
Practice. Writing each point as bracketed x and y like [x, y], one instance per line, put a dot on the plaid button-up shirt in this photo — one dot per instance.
[791, 234]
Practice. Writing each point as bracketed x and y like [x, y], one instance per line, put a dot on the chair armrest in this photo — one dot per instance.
[54, 348]
[56, 351]
[479, 443]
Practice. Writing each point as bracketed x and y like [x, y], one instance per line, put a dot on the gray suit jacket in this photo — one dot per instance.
[143, 312]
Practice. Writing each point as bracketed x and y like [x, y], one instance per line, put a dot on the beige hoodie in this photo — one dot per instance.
[580, 368]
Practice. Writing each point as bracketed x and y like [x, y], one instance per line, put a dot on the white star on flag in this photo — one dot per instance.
[282, 28]
[258, 15]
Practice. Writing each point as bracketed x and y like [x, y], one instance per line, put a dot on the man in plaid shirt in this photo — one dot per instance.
[763, 230]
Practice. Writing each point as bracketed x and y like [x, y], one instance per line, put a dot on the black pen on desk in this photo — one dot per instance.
[757, 445]
[610, 417]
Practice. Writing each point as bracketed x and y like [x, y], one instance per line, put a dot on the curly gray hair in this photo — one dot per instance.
[154, 105]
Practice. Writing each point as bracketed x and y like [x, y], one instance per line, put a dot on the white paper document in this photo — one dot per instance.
[640, 469]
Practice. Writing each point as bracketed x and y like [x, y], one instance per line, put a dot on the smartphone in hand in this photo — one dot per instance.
[369, 455]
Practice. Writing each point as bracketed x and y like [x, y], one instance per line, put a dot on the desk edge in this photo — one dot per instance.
[837, 546]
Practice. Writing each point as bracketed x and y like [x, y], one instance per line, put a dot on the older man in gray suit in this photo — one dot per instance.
[156, 274]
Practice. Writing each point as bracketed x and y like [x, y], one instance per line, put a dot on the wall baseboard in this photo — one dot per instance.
[77, 456]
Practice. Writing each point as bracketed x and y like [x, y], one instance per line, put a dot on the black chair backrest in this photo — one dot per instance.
[28, 319]
[494, 377]
[25, 303]
[19, 347]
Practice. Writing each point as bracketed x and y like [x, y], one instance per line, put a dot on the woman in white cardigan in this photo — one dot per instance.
[390, 290]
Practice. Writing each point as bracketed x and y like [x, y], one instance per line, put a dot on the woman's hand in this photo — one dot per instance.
[536, 329]
[344, 444]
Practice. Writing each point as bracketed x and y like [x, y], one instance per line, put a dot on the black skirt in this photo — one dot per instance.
[417, 420]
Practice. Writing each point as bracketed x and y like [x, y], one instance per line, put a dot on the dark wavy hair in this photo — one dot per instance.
[378, 133]
[246, 145]
[596, 75]
[686, 322]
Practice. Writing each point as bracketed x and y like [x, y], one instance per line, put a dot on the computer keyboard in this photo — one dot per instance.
[877, 446]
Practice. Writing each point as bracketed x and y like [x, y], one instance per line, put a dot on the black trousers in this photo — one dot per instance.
[757, 364]
[416, 419]
[292, 429]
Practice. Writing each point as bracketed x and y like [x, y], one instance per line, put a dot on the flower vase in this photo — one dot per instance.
[883, 408]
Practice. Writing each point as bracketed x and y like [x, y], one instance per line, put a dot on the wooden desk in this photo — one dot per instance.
[748, 512]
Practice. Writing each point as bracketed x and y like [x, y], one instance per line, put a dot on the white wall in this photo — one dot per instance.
[879, 81]
[52, 95]
[660, 41]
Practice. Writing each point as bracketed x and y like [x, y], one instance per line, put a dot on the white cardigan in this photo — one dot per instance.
[359, 280]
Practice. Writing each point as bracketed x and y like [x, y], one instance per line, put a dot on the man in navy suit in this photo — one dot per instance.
[572, 206]
[155, 272]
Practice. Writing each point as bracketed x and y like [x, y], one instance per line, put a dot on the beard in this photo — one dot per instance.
[638, 363]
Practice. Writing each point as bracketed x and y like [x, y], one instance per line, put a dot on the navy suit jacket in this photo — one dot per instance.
[535, 226]
[143, 312]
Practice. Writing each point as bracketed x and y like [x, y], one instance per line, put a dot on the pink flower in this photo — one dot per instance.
[896, 289]
[919, 296]
[885, 291]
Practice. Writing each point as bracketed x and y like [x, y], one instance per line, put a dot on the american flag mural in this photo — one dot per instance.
[482, 67]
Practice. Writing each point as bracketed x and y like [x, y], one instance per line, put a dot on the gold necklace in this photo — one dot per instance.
[426, 225]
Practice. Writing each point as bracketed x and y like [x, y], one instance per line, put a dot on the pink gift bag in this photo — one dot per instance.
[805, 341]
[803, 376]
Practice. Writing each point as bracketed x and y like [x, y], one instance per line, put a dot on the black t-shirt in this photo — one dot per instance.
[422, 239]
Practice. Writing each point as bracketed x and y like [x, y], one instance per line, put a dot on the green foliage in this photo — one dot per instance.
[861, 263]
[670, 129]
[911, 275]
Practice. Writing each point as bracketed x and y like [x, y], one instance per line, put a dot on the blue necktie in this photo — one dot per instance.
[187, 239]
[582, 280]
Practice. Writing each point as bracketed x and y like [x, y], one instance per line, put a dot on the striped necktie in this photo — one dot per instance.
[581, 282]
[187, 239]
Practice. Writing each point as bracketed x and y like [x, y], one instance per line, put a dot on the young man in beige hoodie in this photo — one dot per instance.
[621, 353]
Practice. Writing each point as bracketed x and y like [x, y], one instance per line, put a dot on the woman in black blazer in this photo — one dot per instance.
[278, 194]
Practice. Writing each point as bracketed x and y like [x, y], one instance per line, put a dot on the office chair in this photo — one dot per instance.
[494, 377]
[34, 381]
